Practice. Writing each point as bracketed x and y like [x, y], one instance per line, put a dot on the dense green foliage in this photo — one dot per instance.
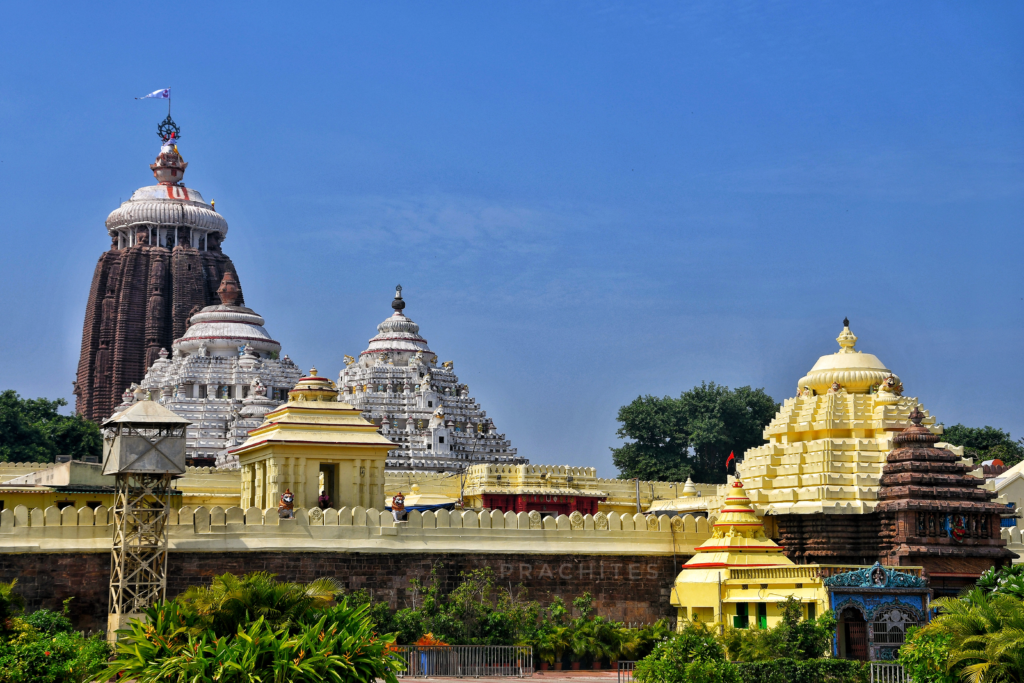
[32, 430]
[692, 656]
[672, 438]
[478, 612]
[985, 443]
[254, 628]
[1007, 580]
[978, 637]
[924, 656]
[42, 647]
[792, 638]
[787, 670]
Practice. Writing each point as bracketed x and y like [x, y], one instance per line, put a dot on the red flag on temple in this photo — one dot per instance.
[728, 461]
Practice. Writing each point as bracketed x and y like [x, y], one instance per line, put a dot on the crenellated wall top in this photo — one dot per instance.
[361, 529]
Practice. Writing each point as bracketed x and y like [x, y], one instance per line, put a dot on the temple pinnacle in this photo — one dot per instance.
[846, 322]
[398, 304]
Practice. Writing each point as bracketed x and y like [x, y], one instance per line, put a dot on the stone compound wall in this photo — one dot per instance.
[363, 530]
[627, 562]
[625, 588]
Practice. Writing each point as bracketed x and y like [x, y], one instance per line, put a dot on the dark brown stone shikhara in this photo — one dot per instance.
[933, 513]
[142, 296]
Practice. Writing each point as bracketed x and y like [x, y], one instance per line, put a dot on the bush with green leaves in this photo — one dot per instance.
[692, 656]
[253, 628]
[793, 637]
[1006, 580]
[42, 647]
[924, 656]
[786, 670]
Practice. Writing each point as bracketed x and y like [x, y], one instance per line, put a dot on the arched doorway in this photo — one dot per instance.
[853, 635]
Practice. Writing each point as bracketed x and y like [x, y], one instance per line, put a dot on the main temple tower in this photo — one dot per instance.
[164, 263]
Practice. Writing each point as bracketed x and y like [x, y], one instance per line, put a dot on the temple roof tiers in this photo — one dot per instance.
[827, 446]
[224, 376]
[421, 407]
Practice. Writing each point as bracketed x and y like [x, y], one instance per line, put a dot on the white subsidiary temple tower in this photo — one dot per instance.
[417, 405]
[224, 376]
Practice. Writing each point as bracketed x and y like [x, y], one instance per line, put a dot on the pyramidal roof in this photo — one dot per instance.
[738, 539]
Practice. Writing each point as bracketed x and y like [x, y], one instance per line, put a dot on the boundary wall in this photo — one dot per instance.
[358, 529]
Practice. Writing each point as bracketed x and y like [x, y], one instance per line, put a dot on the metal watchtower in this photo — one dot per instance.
[144, 447]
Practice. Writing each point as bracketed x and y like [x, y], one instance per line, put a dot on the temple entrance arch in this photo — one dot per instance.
[852, 631]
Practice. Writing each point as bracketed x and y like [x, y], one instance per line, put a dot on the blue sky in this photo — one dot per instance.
[584, 202]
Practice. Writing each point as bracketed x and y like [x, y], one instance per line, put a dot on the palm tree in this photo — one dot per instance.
[230, 601]
[988, 636]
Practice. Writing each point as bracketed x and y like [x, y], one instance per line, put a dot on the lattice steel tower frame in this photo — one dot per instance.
[144, 447]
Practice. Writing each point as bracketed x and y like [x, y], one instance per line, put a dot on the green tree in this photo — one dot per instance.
[986, 636]
[985, 443]
[671, 438]
[32, 430]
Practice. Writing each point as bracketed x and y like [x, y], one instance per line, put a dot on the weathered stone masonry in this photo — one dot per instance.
[626, 588]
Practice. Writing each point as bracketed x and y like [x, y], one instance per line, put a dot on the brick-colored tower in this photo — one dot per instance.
[933, 513]
[164, 263]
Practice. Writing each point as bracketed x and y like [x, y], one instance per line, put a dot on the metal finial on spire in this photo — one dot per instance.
[398, 304]
[168, 130]
[846, 322]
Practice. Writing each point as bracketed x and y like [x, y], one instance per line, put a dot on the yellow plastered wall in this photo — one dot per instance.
[360, 529]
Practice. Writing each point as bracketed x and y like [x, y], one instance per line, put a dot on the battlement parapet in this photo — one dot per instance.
[363, 530]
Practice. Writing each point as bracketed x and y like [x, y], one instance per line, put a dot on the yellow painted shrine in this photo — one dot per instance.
[309, 437]
[739, 567]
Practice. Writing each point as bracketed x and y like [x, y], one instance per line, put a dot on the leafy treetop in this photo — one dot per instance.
[32, 430]
[985, 443]
[672, 438]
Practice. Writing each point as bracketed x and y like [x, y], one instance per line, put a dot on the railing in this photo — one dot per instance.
[806, 571]
[626, 671]
[466, 661]
[888, 672]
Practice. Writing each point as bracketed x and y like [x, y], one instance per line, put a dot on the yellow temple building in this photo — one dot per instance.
[825, 452]
[314, 441]
[739, 575]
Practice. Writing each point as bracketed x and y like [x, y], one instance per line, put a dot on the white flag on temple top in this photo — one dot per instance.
[164, 94]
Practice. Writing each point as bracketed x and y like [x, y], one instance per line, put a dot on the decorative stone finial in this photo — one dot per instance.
[398, 304]
[229, 290]
[169, 167]
[312, 372]
[847, 340]
[916, 416]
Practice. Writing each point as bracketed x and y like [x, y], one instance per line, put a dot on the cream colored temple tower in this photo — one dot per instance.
[313, 434]
[817, 479]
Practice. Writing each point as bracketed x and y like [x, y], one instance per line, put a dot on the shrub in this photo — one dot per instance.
[924, 656]
[255, 629]
[793, 637]
[332, 649]
[694, 655]
[786, 670]
[49, 622]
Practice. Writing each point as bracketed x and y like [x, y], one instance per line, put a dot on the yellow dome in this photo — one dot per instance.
[313, 388]
[827, 446]
[855, 371]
